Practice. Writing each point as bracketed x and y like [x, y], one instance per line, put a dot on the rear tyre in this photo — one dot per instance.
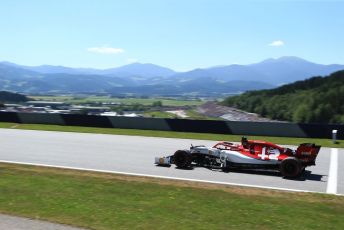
[182, 159]
[291, 168]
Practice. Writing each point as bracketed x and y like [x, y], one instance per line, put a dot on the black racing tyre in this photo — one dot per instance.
[291, 167]
[182, 159]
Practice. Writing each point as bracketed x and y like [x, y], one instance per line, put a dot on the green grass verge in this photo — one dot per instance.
[109, 201]
[171, 134]
[6, 125]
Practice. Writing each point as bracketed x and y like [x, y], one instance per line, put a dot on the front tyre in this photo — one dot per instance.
[182, 159]
[291, 168]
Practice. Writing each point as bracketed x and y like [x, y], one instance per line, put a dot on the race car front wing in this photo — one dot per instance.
[164, 161]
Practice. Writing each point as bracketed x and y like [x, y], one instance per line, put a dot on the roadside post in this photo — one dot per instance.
[334, 136]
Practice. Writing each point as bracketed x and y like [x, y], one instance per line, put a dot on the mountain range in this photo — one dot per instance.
[150, 79]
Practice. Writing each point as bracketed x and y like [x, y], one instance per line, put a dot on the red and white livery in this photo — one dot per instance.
[249, 154]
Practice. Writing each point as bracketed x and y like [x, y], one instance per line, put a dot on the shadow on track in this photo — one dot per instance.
[307, 175]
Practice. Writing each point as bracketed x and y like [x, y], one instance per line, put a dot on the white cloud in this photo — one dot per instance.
[277, 43]
[105, 50]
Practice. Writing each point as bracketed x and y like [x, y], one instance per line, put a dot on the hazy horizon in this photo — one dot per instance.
[277, 58]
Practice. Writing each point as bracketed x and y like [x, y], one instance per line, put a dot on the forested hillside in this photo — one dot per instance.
[12, 97]
[318, 99]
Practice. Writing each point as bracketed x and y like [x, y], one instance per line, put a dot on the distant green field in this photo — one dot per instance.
[159, 114]
[113, 201]
[143, 101]
[192, 114]
[197, 116]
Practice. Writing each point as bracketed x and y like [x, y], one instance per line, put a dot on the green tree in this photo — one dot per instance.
[318, 99]
[157, 104]
[301, 114]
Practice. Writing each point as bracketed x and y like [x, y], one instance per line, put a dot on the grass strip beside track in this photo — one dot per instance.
[171, 134]
[7, 125]
[113, 201]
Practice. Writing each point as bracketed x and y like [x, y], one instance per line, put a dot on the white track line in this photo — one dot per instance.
[333, 172]
[163, 177]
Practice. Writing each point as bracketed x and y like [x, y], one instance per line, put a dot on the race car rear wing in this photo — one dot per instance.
[308, 152]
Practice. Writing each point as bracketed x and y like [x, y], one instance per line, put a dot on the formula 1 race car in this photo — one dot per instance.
[250, 154]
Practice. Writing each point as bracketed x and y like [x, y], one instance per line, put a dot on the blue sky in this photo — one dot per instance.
[180, 34]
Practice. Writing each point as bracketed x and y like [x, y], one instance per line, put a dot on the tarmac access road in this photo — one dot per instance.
[19, 223]
[134, 155]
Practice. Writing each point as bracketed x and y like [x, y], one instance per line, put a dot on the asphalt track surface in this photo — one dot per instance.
[135, 155]
[20, 223]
